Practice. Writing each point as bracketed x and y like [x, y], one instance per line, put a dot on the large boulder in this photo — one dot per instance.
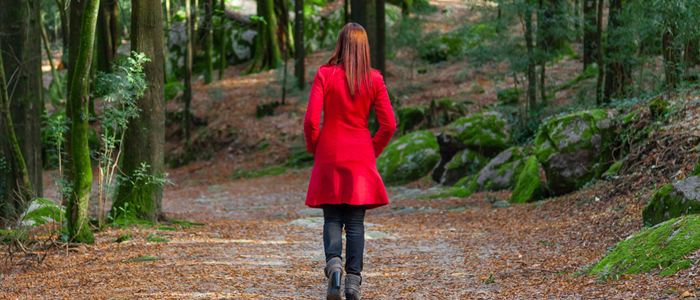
[464, 163]
[502, 172]
[529, 187]
[662, 247]
[408, 158]
[42, 211]
[673, 200]
[574, 149]
[484, 133]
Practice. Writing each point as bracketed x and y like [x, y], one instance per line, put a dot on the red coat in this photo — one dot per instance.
[345, 168]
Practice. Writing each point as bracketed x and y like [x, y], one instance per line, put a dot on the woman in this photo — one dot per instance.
[344, 180]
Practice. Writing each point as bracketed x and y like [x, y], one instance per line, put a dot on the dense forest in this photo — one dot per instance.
[545, 149]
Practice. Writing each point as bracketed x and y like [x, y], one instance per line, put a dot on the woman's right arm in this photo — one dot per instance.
[312, 119]
[385, 117]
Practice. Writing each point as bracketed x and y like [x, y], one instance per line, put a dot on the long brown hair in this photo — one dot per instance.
[352, 51]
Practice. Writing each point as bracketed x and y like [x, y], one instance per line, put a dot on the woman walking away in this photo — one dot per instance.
[344, 180]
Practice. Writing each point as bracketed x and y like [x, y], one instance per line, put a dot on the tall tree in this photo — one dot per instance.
[63, 13]
[601, 63]
[300, 50]
[145, 138]
[187, 94]
[267, 46]
[222, 41]
[107, 35]
[617, 75]
[20, 23]
[209, 41]
[527, 13]
[380, 47]
[590, 38]
[77, 211]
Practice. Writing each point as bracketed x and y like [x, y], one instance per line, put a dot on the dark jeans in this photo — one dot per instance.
[352, 217]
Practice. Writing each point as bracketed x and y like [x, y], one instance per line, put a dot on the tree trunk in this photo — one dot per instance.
[21, 50]
[267, 50]
[601, 63]
[371, 29]
[590, 38]
[529, 44]
[187, 94]
[78, 226]
[145, 138]
[65, 30]
[671, 58]
[167, 13]
[617, 72]
[346, 13]
[209, 41]
[107, 42]
[222, 41]
[358, 12]
[577, 20]
[381, 38]
[76, 14]
[10, 205]
[49, 55]
[300, 50]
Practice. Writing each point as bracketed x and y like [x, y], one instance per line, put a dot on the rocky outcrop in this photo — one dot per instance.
[574, 149]
[408, 158]
[673, 200]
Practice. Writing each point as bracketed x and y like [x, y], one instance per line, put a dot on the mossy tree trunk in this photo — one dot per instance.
[145, 138]
[267, 47]
[20, 46]
[590, 35]
[78, 225]
[187, 94]
[65, 28]
[75, 10]
[601, 63]
[300, 50]
[209, 41]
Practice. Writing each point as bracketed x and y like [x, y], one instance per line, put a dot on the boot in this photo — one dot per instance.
[352, 287]
[334, 271]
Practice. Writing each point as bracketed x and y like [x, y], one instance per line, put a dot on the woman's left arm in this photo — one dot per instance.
[385, 116]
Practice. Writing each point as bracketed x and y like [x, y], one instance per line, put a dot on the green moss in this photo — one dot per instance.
[631, 117]
[42, 211]
[660, 247]
[486, 133]
[409, 157]
[142, 259]
[658, 107]
[254, 173]
[153, 238]
[673, 200]
[185, 223]
[464, 181]
[123, 238]
[410, 117]
[171, 89]
[500, 173]
[509, 96]
[528, 187]
[451, 192]
[696, 170]
[614, 169]
[442, 48]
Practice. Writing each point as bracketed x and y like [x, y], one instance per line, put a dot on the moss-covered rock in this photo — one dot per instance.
[441, 48]
[410, 117]
[464, 163]
[502, 172]
[574, 149]
[486, 133]
[529, 187]
[660, 247]
[658, 107]
[673, 200]
[615, 168]
[42, 211]
[444, 111]
[409, 157]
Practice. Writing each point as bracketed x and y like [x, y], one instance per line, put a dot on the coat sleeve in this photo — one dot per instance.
[385, 116]
[312, 119]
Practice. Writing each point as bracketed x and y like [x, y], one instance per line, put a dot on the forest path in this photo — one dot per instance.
[260, 243]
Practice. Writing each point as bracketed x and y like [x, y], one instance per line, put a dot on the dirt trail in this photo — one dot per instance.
[250, 248]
